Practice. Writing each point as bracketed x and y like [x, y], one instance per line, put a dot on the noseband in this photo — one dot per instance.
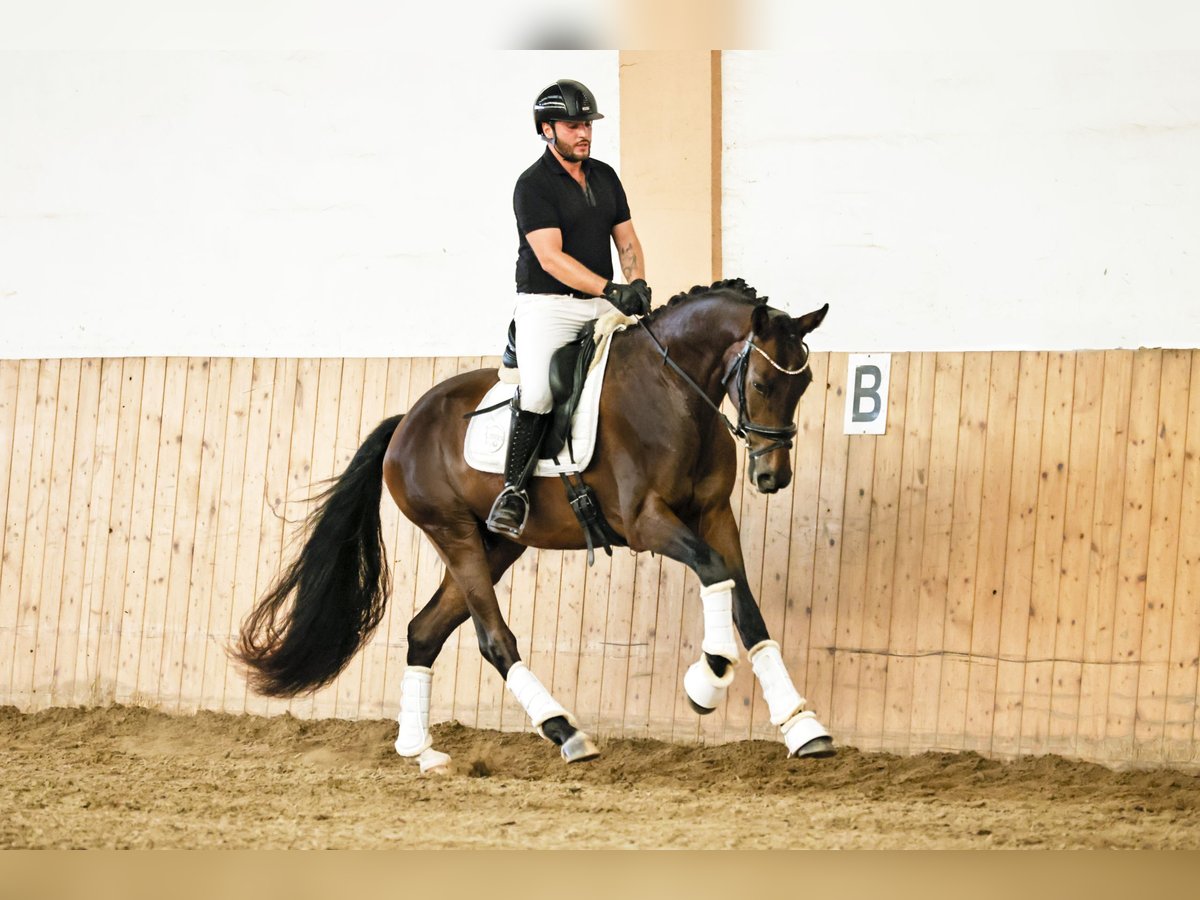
[741, 365]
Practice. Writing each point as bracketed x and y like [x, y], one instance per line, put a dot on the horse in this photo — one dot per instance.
[662, 473]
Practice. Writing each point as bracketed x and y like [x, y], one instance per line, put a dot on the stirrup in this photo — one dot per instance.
[498, 523]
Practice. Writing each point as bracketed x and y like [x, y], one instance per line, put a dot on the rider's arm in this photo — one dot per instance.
[547, 247]
[629, 250]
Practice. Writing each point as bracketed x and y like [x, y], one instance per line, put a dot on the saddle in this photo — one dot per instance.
[569, 367]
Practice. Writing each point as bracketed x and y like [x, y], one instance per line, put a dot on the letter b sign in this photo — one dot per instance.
[866, 393]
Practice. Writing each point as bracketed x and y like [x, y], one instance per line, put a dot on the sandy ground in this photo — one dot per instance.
[129, 777]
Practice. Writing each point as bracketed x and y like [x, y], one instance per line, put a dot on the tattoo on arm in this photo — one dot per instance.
[629, 260]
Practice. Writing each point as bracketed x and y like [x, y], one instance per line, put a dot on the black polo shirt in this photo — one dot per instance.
[546, 196]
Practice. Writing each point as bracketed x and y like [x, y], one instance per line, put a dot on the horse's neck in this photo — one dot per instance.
[699, 335]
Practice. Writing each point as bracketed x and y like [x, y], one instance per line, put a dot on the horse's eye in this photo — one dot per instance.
[760, 387]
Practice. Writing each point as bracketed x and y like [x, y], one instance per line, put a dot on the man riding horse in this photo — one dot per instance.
[567, 206]
[663, 483]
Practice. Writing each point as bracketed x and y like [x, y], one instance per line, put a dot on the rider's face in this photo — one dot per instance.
[573, 140]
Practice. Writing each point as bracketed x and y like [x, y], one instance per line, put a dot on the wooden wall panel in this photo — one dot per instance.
[1018, 554]
[935, 551]
[1184, 661]
[1066, 677]
[1000, 425]
[881, 563]
[1013, 567]
[964, 550]
[910, 537]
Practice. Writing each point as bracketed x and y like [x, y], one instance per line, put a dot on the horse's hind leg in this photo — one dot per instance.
[462, 549]
[427, 633]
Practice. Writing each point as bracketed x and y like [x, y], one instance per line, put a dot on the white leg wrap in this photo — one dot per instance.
[702, 685]
[783, 700]
[535, 698]
[800, 729]
[718, 620]
[415, 688]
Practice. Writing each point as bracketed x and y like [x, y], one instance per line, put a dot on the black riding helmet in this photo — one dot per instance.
[564, 101]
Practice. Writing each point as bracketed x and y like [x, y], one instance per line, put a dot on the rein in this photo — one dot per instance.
[783, 434]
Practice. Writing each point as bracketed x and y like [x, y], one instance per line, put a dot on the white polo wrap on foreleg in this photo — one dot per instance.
[532, 695]
[783, 700]
[797, 724]
[719, 639]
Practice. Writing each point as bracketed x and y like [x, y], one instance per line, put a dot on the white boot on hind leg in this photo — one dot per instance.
[798, 725]
[414, 741]
[541, 708]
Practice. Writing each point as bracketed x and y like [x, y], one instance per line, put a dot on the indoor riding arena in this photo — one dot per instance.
[221, 269]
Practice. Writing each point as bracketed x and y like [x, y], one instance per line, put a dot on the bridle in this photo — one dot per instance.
[783, 434]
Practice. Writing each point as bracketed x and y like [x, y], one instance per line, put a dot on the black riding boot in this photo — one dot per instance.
[511, 508]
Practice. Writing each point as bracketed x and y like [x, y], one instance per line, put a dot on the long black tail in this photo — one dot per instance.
[339, 583]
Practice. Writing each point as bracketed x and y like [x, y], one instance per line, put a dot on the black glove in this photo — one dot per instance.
[631, 299]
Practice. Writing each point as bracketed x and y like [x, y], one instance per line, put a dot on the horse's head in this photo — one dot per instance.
[765, 381]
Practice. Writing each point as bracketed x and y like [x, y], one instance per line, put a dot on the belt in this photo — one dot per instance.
[578, 295]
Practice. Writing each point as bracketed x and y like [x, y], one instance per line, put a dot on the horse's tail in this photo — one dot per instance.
[339, 583]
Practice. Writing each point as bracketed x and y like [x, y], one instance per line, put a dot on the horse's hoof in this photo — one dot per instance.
[579, 748]
[817, 748]
[434, 762]
[698, 709]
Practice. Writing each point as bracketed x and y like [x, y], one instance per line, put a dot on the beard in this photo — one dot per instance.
[567, 151]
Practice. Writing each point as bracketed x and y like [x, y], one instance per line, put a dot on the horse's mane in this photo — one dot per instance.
[733, 288]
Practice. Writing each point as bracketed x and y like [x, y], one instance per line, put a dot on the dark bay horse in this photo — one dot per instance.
[663, 472]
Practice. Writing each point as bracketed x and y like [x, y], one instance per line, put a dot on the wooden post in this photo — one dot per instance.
[671, 163]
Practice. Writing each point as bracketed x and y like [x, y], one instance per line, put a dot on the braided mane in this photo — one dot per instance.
[734, 288]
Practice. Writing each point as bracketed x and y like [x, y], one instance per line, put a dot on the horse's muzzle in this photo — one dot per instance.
[769, 482]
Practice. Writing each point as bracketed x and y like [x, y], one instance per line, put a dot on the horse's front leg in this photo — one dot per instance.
[803, 734]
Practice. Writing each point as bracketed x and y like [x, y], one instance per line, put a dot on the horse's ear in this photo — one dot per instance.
[759, 320]
[809, 321]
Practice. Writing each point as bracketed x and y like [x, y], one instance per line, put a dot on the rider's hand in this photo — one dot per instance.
[631, 299]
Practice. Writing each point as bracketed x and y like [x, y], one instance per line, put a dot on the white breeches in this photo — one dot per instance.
[546, 322]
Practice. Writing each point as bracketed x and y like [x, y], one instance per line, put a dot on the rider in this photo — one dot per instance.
[567, 207]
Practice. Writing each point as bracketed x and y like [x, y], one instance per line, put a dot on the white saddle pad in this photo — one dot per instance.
[487, 434]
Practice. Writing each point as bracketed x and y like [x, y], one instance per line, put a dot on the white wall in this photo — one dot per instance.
[975, 199]
[267, 202]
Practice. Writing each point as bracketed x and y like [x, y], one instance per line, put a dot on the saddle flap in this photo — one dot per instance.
[568, 372]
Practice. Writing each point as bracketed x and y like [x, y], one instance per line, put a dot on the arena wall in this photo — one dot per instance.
[1013, 577]
[1011, 568]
